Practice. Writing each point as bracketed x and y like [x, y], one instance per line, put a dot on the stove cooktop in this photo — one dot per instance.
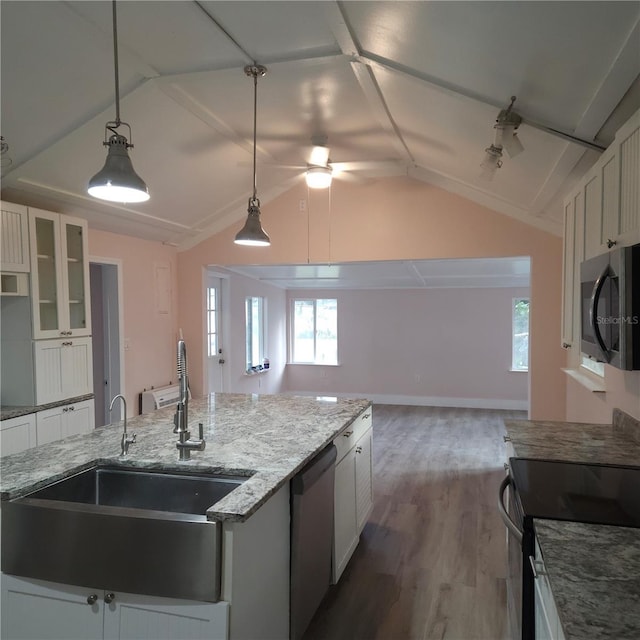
[593, 493]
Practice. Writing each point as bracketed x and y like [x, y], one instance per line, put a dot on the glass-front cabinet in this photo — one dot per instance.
[60, 275]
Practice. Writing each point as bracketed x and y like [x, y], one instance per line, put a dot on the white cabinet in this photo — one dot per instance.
[17, 434]
[14, 249]
[612, 193]
[353, 493]
[547, 621]
[60, 275]
[50, 611]
[61, 422]
[63, 369]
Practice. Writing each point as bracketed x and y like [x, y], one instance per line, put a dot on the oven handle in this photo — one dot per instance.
[509, 523]
[595, 299]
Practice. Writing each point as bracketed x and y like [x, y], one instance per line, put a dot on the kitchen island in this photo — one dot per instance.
[592, 570]
[266, 439]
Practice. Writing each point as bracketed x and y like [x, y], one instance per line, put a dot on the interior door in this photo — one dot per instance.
[213, 344]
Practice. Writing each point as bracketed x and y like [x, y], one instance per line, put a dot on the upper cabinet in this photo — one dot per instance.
[612, 194]
[14, 254]
[60, 275]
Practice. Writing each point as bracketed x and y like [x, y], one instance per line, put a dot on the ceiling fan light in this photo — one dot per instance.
[318, 177]
[252, 234]
[117, 181]
[491, 162]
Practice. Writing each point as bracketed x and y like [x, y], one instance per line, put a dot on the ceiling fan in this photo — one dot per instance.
[319, 171]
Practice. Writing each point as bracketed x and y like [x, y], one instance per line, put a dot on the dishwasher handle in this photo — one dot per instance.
[509, 523]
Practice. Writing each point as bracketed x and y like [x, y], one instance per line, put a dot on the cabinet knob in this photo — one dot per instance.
[365, 416]
[566, 345]
[611, 243]
[109, 597]
[506, 439]
[348, 434]
[358, 449]
[92, 599]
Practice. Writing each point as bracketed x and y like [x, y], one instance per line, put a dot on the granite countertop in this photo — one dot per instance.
[594, 573]
[266, 437]
[10, 411]
[616, 443]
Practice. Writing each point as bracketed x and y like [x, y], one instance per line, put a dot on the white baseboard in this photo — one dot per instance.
[426, 401]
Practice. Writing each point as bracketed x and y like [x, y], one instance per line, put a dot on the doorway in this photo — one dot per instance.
[106, 313]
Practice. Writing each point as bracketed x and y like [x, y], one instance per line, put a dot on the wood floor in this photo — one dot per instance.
[431, 560]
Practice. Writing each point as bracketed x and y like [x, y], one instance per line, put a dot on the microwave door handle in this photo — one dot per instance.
[509, 523]
[595, 299]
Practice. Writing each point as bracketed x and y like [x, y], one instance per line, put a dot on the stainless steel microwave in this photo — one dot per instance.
[610, 307]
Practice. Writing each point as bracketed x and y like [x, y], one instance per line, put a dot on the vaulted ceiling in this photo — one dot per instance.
[417, 84]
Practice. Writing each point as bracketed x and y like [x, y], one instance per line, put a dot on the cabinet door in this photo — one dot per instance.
[568, 267]
[63, 369]
[364, 480]
[79, 418]
[15, 238]
[46, 260]
[49, 425]
[75, 275]
[138, 617]
[48, 611]
[592, 214]
[629, 223]
[17, 434]
[345, 537]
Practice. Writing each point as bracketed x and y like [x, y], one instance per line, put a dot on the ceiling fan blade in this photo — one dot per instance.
[275, 165]
[366, 165]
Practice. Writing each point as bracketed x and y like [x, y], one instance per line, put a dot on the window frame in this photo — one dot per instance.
[514, 302]
[292, 326]
[255, 362]
[215, 311]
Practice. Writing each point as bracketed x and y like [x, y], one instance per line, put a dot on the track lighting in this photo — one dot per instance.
[252, 234]
[117, 181]
[506, 138]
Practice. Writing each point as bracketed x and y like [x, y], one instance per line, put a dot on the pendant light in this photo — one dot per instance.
[252, 234]
[117, 181]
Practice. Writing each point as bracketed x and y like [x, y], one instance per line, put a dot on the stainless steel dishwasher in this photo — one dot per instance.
[311, 538]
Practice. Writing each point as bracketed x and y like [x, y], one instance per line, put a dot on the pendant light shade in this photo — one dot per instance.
[117, 181]
[252, 234]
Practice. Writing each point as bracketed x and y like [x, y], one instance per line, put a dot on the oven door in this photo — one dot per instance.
[520, 602]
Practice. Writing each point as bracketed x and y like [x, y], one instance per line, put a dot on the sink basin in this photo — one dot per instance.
[141, 489]
[112, 528]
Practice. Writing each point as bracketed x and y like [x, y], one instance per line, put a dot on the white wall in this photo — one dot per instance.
[420, 346]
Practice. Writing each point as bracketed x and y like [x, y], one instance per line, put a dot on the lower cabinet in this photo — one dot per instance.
[547, 621]
[64, 421]
[17, 434]
[51, 611]
[353, 493]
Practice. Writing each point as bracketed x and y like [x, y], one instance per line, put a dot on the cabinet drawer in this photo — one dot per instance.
[348, 437]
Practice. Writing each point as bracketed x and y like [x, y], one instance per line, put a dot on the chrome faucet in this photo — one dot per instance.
[126, 440]
[181, 419]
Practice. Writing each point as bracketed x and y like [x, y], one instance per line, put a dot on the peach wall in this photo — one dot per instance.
[623, 392]
[392, 219]
[421, 346]
[149, 333]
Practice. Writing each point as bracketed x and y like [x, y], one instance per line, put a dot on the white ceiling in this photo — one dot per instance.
[395, 274]
[416, 83]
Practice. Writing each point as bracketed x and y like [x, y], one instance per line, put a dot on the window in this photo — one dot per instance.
[255, 333]
[520, 335]
[212, 322]
[314, 331]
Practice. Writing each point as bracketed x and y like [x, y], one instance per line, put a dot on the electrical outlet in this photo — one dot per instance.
[302, 206]
[127, 344]
[417, 377]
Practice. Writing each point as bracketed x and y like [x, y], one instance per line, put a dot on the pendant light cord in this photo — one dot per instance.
[115, 62]
[255, 126]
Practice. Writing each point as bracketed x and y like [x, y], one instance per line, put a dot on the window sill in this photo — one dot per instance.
[588, 381]
[311, 364]
[519, 370]
[256, 373]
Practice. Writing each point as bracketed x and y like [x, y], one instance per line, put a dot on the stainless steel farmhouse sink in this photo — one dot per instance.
[131, 530]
